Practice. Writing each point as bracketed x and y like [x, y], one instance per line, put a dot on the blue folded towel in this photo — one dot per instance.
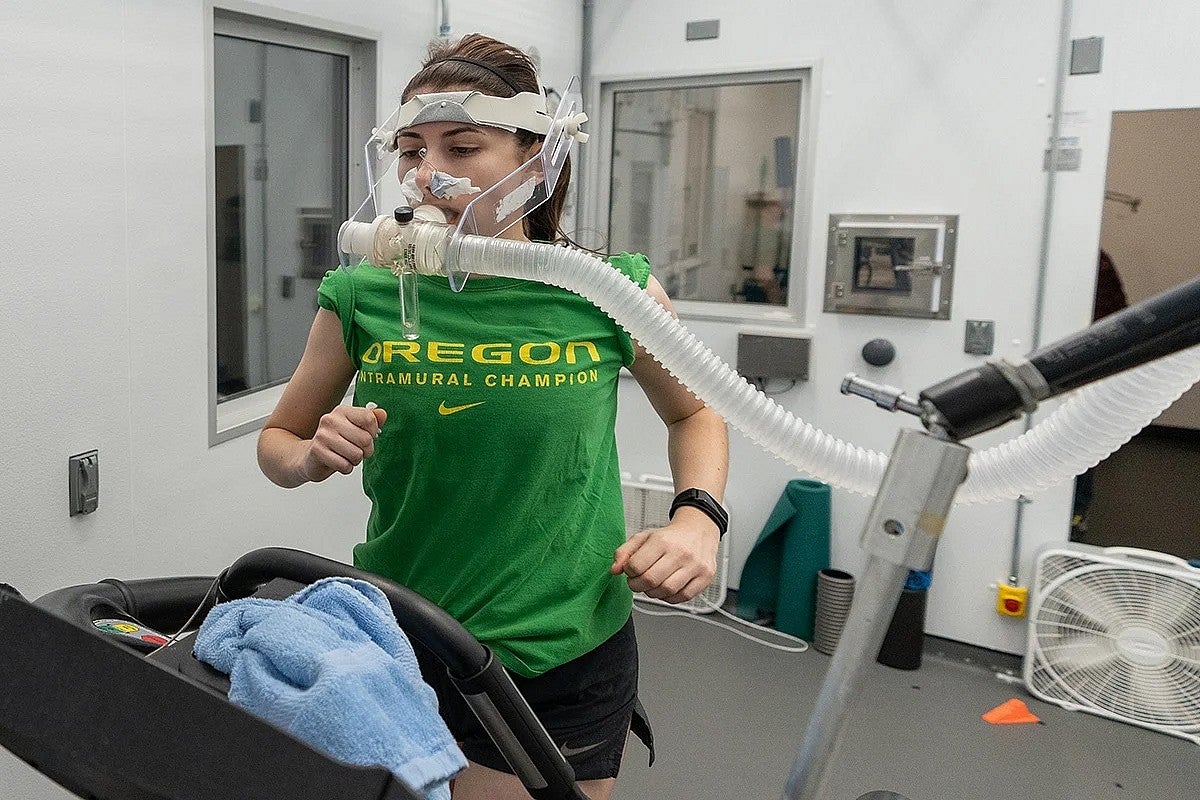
[330, 666]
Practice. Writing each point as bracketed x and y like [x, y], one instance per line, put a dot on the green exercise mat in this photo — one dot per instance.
[780, 575]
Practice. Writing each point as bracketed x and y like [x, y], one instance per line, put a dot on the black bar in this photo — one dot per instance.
[471, 665]
[496, 684]
[1156, 327]
[973, 401]
[982, 398]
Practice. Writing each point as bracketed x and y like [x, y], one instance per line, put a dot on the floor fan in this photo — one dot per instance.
[1116, 632]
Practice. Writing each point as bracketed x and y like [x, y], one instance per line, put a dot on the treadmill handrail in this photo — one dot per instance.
[474, 669]
[150, 599]
[463, 654]
[525, 744]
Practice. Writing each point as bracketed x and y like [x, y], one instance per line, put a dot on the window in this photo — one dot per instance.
[702, 180]
[289, 113]
[881, 264]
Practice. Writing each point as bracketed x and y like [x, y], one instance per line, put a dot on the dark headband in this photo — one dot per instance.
[482, 65]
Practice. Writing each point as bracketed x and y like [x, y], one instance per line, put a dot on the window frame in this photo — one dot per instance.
[246, 413]
[600, 196]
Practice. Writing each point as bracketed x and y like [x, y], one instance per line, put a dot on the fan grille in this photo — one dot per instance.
[1119, 639]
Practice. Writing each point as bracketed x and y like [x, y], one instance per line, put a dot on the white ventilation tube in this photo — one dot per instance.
[1083, 431]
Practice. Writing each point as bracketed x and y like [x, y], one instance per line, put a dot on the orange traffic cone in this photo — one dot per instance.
[1012, 712]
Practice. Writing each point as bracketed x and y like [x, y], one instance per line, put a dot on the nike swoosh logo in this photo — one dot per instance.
[574, 751]
[446, 411]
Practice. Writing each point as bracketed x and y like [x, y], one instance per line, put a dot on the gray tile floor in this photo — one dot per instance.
[729, 715]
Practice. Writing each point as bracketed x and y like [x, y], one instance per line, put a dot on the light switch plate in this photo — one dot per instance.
[84, 482]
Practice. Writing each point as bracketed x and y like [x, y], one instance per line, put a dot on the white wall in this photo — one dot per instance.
[921, 108]
[104, 322]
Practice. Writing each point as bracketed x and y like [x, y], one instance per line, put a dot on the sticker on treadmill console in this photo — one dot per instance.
[123, 627]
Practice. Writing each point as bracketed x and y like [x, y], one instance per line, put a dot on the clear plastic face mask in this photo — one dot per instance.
[378, 165]
[492, 211]
[516, 195]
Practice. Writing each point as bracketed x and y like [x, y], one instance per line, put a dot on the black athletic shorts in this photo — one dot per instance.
[588, 706]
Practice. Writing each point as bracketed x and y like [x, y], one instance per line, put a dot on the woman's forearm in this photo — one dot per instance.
[698, 450]
[281, 457]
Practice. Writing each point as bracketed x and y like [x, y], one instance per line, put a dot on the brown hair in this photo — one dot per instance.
[490, 66]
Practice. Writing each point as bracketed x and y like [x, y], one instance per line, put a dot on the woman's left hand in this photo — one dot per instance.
[674, 563]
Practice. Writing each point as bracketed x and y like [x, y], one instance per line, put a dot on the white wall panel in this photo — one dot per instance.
[921, 108]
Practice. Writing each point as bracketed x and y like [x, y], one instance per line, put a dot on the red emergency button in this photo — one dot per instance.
[1012, 601]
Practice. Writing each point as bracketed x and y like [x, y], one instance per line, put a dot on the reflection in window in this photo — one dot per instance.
[281, 117]
[702, 182]
[881, 264]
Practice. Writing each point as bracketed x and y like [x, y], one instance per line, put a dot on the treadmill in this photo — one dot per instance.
[94, 700]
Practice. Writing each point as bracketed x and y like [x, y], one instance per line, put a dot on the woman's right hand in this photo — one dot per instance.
[344, 438]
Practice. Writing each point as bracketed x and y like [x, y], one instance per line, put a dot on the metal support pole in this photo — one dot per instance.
[901, 533]
[875, 598]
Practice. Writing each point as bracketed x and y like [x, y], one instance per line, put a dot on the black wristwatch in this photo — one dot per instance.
[698, 498]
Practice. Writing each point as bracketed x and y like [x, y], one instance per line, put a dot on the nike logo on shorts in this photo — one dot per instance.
[568, 752]
[446, 411]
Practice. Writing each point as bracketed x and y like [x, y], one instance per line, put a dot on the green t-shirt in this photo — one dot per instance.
[494, 484]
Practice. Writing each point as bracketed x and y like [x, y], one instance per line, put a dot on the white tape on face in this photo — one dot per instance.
[408, 187]
[515, 199]
[446, 186]
[441, 184]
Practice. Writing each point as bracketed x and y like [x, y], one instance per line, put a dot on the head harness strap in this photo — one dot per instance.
[509, 82]
[523, 111]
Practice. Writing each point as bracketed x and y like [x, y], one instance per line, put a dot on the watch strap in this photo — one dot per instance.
[706, 503]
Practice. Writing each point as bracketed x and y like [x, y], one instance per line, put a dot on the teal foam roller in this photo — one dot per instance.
[780, 574]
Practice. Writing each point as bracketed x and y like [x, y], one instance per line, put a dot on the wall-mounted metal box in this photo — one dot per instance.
[892, 264]
[762, 356]
[703, 29]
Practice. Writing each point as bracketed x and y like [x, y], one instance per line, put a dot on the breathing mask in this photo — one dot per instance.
[393, 229]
